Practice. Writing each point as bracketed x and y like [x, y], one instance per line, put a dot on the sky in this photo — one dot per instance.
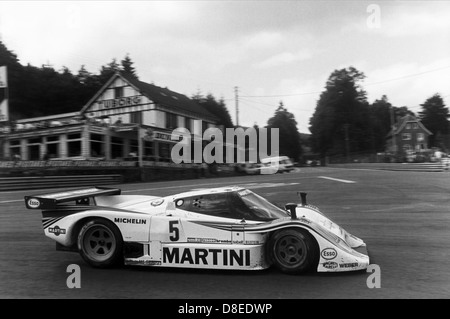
[262, 52]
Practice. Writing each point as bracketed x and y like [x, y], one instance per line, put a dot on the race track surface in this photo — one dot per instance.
[404, 217]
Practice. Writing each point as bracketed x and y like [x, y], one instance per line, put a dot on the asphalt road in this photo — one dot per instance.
[404, 217]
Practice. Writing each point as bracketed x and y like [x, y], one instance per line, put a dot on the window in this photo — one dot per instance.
[248, 206]
[53, 150]
[74, 136]
[415, 126]
[74, 148]
[164, 151]
[136, 117]
[408, 126]
[134, 147]
[53, 139]
[204, 126]
[34, 148]
[74, 144]
[188, 123]
[14, 148]
[208, 204]
[33, 152]
[420, 137]
[406, 136]
[148, 151]
[97, 145]
[34, 141]
[52, 147]
[118, 92]
[171, 121]
[258, 207]
[116, 147]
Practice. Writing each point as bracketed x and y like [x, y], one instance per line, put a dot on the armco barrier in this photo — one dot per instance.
[413, 167]
[41, 182]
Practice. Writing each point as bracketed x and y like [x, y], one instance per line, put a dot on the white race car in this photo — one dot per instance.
[220, 228]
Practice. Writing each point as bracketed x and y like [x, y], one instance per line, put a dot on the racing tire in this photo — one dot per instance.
[293, 251]
[100, 244]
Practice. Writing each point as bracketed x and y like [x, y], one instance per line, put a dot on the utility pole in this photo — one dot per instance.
[236, 96]
[394, 144]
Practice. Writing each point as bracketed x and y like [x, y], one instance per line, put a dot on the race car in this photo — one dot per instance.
[220, 228]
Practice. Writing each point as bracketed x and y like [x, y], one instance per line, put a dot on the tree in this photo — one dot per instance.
[340, 123]
[289, 136]
[380, 116]
[83, 75]
[434, 116]
[128, 68]
[39, 91]
[107, 71]
[15, 74]
[217, 108]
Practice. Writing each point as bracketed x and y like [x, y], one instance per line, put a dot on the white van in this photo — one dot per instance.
[276, 164]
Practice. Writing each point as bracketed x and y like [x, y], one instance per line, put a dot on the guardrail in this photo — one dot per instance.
[413, 167]
[22, 183]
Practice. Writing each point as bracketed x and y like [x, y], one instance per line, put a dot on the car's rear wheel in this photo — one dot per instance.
[100, 243]
[293, 251]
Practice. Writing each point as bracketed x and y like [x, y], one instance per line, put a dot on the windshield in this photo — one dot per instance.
[260, 206]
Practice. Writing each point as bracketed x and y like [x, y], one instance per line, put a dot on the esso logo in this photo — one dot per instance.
[33, 203]
[329, 253]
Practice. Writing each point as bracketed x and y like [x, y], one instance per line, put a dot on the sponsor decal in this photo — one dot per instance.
[57, 231]
[33, 203]
[244, 192]
[304, 220]
[179, 202]
[143, 262]
[130, 221]
[207, 240]
[328, 253]
[251, 242]
[330, 265]
[348, 265]
[157, 202]
[203, 256]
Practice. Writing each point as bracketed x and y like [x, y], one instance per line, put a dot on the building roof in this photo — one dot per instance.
[53, 117]
[398, 128]
[161, 96]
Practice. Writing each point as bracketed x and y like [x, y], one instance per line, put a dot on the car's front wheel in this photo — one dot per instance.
[100, 243]
[293, 251]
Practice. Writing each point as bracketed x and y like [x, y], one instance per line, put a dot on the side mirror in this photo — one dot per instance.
[291, 208]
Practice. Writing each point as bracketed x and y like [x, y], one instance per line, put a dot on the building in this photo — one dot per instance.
[126, 120]
[408, 135]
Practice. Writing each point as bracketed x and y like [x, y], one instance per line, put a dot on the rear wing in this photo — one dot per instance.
[81, 196]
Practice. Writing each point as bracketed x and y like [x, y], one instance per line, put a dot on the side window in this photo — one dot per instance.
[241, 210]
[209, 204]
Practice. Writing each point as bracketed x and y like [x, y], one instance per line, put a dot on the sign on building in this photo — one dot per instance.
[4, 111]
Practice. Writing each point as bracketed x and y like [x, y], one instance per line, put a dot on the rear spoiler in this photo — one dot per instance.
[48, 201]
